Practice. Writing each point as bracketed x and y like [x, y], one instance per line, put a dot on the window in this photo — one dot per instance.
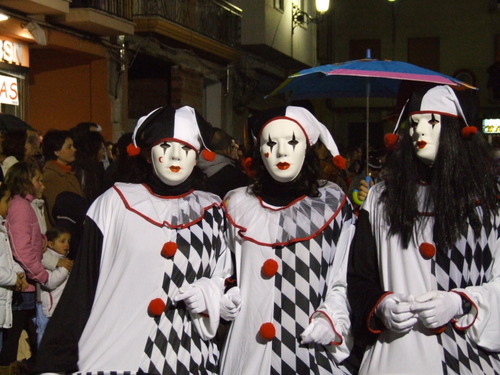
[424, 52]
[279, 4]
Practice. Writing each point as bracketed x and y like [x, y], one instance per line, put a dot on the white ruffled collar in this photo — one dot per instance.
[175, 212]
[301, 220]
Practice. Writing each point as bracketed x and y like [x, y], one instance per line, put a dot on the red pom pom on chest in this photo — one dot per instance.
[269, 268]
[268, 331]
[156, 307]
[169, 249]
[427, 250]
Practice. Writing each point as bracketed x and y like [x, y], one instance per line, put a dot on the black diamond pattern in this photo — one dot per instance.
[469, 265]
[174, 346]
[300, 288]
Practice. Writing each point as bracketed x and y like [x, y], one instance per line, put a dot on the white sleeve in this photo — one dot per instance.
[213, 288]
[56, 278]
[8, 276]
[335, 306]
[49, 261]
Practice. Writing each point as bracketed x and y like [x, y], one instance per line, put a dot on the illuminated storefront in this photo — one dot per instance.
[14, 64]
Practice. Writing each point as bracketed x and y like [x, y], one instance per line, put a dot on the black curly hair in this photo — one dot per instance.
[306, 182]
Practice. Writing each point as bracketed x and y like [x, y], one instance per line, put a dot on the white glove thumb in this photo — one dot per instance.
[319, 331]
[193, 298]
[394, 311]
[437, 308]
[230, 304]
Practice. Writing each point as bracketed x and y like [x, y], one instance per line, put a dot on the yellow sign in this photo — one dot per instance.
[491, 126]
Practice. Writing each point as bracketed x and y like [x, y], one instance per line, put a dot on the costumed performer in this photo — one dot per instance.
[290, 234]
[424, 270]
[144, 295]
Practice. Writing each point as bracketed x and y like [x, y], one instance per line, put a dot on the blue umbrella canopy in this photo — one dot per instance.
[360, 78]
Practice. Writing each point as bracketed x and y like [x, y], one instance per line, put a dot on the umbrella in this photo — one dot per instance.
[11, 122]
[360, 78]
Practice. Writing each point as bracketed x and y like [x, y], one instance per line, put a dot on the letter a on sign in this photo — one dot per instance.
[9, 93]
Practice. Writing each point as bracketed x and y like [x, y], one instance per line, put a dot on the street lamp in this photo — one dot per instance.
[299, 17]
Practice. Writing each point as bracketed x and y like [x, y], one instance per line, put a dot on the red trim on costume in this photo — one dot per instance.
[243, 229]
[474, 306]
[439, 330]
[372, 312]
[336, 343]
[164, 223]
[436, 112]
[285, 118]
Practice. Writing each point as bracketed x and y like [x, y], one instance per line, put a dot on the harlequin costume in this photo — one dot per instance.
[381, 266]
[118, 312]
[290, 266]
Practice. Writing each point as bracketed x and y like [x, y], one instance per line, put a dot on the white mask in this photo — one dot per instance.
[173, 162]
[425, 130]
[283, 148]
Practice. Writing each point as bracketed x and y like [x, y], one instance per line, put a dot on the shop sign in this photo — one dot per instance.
[491, 126]
[9, 93]
[14, 53]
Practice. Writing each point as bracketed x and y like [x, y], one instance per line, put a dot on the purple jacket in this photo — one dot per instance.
[26, 239]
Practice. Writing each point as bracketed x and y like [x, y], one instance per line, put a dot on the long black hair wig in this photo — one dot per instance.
[463, 183]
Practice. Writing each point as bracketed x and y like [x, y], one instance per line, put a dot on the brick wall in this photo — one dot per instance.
[187, 88]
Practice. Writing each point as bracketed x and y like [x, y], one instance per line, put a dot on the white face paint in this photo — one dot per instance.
[283, 149]
[173, 162]
[425, 130]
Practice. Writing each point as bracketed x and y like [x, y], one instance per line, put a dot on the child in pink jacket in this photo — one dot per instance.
[25, 182]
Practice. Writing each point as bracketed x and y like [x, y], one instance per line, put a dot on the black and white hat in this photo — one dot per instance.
[182, 125]
[439, 99]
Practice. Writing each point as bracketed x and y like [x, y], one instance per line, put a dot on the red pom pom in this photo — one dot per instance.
[247, 165]
[339, 162]
[168, 250]
[268, 331]
[390, 140]
[133, 150]
[468, 131]
[269, 268]
[427, 250]
[208, 155]
[156, 307]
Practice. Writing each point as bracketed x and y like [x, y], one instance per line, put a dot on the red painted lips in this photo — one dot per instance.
[421, 144]
[283, 166]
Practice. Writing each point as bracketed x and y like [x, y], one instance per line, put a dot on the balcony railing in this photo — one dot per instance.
[121, 8]
[217, 19]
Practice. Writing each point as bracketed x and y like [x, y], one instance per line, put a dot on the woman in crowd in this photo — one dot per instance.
[58, 176]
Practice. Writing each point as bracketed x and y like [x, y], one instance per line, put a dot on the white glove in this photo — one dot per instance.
[193, 298]
[319, 331]
[230, 304]
[394, 311]
[437, 308]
